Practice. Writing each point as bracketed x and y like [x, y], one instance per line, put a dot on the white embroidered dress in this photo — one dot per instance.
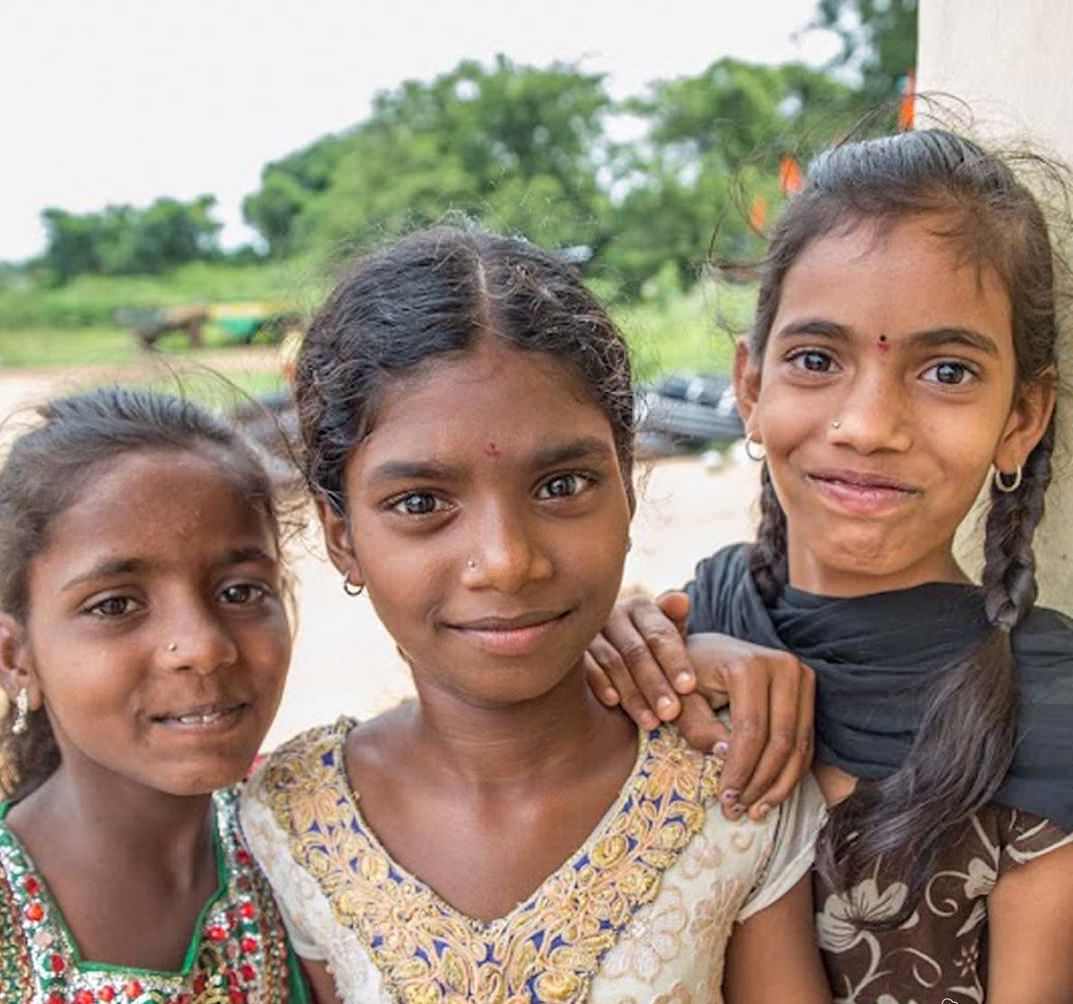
[641, 914]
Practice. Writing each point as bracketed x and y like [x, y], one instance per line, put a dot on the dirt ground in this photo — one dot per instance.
[344, 661]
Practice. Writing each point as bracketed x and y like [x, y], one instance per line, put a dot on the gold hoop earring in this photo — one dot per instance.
[1008, 487]
[22, 712]
[749, 442]
[350, 589]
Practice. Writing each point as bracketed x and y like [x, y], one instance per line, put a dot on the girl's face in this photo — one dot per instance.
[487, 516]
[156, 637]
[886, 393]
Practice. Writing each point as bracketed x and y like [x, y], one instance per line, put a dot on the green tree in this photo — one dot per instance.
[879, 39]
[518, 147]
[123, 240]
[712, 152]
[287, 188]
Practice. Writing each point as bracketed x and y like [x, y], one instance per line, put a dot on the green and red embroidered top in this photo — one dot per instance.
[239, 953]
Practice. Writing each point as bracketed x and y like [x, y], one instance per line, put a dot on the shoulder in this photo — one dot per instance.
[715, 580]
[301, 763]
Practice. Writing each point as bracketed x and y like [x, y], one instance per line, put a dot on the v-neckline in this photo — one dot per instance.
[67, 935]
[497, 924]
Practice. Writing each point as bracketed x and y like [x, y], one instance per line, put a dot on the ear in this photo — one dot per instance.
[1029, 416]
[16, 663]
[337, 540]
[746, 386]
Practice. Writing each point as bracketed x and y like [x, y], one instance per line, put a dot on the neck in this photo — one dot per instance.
[563, 733]
[126, 822]
[853, 575]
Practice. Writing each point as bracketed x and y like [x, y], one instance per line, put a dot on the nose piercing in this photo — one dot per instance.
[836, 424]
[173, 647]
[471, 564]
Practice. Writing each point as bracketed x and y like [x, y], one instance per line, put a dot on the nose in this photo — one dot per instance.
[505, 552]
[196, 640]
[873, 415]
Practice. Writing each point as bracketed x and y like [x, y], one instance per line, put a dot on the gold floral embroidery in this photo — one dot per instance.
[549, 948]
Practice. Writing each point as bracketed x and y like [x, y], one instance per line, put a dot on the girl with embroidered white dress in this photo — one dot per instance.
[143, 645]
[466, 410]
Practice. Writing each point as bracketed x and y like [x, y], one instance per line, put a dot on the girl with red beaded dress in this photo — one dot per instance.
[144, 644]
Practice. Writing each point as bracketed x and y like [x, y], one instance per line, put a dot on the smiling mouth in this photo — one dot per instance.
[510, 636]
[867, 494]
[204, 716]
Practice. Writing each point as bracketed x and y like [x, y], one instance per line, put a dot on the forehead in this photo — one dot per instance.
[158, 503]
[494, 395]
[896, 281]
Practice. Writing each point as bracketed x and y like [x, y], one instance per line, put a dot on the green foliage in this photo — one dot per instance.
[517, 147]
[879, 38]
[93, 300]
[122, 240]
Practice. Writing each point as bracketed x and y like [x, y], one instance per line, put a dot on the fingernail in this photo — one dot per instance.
[683, 679]
[737, 811]
[611, 696]
[665, 705]
[649, 720]
[721, 749]
[730, 796]
[762, 810]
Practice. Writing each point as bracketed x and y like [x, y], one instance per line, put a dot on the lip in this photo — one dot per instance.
[862, 492]
[203, 719]
[518, 635]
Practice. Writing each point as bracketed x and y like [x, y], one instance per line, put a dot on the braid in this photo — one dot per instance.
[767, 558]
[906, 818]
[1009, 576]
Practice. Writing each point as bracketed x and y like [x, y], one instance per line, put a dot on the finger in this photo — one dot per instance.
[606, 656]
[599, 682]
[783, 712]
[748, 724]
[647, 643]
[675, 605]
[699, 726]
[801, 760]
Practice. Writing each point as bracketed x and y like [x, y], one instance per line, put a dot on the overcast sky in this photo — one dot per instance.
[108, 101]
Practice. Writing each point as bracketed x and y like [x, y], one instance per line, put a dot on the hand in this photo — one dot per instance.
[771, 694]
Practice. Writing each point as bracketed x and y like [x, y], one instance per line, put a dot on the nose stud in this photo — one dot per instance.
[173, 647]
[471, 564]
[836, 424]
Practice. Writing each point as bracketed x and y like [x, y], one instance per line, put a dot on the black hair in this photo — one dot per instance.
[52, 466]
[433, 293]
[965, 743]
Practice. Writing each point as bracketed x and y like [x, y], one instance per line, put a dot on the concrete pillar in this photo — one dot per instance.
[1011, 63]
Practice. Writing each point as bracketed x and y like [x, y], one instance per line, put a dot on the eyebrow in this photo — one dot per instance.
[110, 567]
[930, 338]
[586, 447]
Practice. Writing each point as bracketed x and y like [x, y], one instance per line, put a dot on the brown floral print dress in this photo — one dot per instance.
[940, 953]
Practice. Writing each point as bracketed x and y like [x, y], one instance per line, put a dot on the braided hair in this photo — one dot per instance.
[951, 771]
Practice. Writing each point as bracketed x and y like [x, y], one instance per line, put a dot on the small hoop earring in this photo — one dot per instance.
[1007, 487]
[350, 589]
[22, 712]
[749, 453]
